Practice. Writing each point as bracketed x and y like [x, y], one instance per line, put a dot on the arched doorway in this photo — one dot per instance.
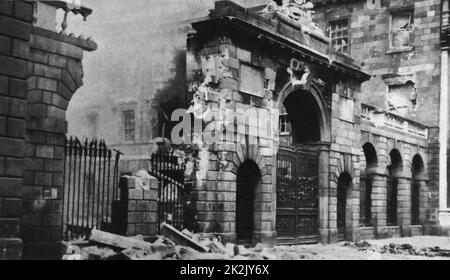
[394, 170]
[344, 211]
[304, 117]
[365, 186]
[298, 211]
[248, 178]
[417, 170]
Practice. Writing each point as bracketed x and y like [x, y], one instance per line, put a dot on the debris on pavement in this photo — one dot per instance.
[171, 245]
[399, 249]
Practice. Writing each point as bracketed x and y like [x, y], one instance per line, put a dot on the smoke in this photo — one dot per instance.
[173, 94]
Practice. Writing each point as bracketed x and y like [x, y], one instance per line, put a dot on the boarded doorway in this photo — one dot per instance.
[248, 178]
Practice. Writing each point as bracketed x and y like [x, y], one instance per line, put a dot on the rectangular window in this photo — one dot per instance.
[401, 30]
[284, 124]
[339, 35]
[128, 125]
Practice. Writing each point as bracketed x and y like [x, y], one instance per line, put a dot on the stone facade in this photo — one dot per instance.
[15, 28]
[228, 54]
[41, 70]
[348, 117]
[369, 27]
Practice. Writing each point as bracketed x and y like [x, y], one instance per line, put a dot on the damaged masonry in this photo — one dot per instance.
[266, 130]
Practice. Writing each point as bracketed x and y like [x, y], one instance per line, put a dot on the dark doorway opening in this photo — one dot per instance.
[394, 170]
[365, 187]
[303, 114]
[343, 188]
[417, 174]
[248, 178]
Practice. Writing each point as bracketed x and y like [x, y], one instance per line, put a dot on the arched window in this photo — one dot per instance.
[394, 169]
[417, 169]
[365, 200]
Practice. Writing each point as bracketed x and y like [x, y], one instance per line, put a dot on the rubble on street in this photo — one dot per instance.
[173, 244]
[170, 245]
[401, 249]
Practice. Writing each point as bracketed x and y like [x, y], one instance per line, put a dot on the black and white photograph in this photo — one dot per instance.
[225, 135]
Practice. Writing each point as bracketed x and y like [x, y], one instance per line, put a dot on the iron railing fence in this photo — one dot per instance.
[90, 187]
[175, 197]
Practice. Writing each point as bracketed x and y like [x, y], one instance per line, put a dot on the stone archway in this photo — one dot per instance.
[247, 181]
[254, 158]
[302, 166]
[366, 184]
[315, 95]
[417, 189]
[344, 207]
[395, 169]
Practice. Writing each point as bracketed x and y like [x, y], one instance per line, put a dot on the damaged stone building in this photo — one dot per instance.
[361, 88]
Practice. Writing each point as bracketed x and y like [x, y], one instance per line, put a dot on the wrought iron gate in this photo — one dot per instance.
[297, 195]
[89, 188]
[175, 197]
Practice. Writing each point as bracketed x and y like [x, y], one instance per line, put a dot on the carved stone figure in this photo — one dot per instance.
[299, 72]
[298, 12]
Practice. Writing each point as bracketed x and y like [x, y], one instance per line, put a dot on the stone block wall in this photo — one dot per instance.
[216, 180]
[56, 74]
[15, 26]
[369, 43]
[141, 205]
[344, 159]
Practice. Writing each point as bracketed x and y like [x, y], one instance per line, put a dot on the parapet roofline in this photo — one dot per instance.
[284, 42]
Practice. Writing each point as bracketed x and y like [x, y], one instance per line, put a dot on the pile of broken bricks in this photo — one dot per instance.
[170, 245]
[400, 249]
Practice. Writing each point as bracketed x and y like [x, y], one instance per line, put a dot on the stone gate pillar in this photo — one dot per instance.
[15, 23]
[56, 74]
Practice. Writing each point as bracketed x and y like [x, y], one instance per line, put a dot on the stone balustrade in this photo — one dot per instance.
[384, 119]
[54, 15]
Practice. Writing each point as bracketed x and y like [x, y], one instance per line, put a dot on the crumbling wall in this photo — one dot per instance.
[214, 75]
